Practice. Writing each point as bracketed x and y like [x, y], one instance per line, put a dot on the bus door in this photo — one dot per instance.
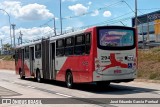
[16, 58]
[52, 61]
[22, 60]
[31, 58]
[45, 59]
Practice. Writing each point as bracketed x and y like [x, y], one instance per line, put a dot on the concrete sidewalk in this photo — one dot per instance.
[12, 72]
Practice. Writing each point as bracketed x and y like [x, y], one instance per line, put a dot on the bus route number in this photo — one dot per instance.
[105, 57]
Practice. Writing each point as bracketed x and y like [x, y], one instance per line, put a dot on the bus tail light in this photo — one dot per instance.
[97, 63]
[98, 66]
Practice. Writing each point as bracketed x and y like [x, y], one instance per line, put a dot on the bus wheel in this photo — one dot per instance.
[69, 80]
[21, 74]
[38, 77]
[103, 83]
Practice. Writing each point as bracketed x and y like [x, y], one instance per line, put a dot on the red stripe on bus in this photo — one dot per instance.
[114, 63]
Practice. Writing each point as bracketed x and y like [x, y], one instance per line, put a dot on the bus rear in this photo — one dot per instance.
[116, 54]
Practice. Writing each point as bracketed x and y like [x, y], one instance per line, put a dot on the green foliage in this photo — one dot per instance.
[149, 55]
[152, 76]
[7, 46]
[149, 64]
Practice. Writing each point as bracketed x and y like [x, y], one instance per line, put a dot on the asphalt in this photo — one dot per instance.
[86, 95]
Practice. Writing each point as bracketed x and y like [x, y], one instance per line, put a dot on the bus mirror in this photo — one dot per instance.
[13, 56]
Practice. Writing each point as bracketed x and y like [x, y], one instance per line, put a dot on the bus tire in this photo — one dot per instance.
[38, 76]
[21, 74]
[103, 83]
[69, 80]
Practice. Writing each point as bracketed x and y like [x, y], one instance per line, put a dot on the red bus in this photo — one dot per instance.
[100, 54]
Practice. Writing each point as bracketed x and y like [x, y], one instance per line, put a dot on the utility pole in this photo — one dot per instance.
[61, 16]
[10, 35]
[18, 40]
[21, 36]
[54, 26]
[9, 23]
[13, 27]
[148, 29]
[1, 45]
[136, 14]
[143, 37]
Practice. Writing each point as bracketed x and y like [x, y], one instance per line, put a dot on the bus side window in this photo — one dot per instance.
[38, 51]
[26, 52]
[79, 45]
[60, 48]
[88, 42]
[69, 46]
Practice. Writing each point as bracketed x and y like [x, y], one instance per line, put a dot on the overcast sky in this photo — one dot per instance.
[34, 17]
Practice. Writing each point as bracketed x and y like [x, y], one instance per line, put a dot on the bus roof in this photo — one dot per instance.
[28, 44]
[52, 38]
[67, 35]
[64, 36]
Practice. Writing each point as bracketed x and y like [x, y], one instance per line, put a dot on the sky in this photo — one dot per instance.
[34, 18]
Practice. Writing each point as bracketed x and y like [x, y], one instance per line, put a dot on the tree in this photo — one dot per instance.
[7, 47]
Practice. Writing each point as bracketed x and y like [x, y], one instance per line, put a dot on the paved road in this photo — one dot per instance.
[13, 87]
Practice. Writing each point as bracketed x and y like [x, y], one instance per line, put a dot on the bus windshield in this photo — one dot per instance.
[116, 37]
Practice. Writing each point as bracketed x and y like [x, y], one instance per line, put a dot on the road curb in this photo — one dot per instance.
[147, 80]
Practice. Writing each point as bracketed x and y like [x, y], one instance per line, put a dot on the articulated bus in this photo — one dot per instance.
[100, 54]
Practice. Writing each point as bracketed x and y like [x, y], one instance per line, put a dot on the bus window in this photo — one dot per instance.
[26, 52]
[60, 43]
[19, 53]
[79, 40]
[38, 51]
[113, 39]
[79, 45]
[88, 42]
[69, 41]
[60, 47]
[69, 46]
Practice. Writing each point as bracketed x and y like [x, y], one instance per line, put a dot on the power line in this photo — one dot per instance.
[128, 5]
[150, 9]
[9, 18]
[90, 12]
[112, 20]
[104, 22]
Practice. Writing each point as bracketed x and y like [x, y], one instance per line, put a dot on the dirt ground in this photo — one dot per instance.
[10, 65]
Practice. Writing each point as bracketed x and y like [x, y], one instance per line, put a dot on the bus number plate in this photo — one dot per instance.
[117, 71]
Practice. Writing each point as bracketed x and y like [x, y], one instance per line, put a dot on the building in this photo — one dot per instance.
[148, 26]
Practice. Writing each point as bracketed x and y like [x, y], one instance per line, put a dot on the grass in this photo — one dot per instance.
[149, 55]
[149, 64]
[7, 57]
